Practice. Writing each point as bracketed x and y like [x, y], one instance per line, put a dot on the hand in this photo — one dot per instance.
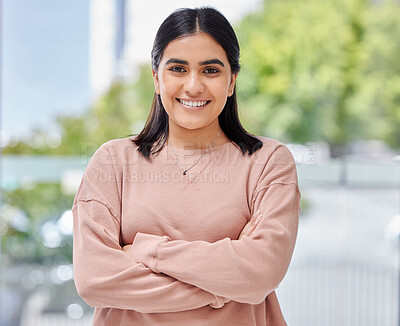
[126, 249]
[217, 305]
[251, 225]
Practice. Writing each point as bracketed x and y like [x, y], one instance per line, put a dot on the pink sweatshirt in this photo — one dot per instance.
[186, 266]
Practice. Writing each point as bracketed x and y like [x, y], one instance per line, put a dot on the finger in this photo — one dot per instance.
[248, 229]
[259, 217]
[254, 224]
[255, 220]
[256, 215]
[251, 224]
[126, 248]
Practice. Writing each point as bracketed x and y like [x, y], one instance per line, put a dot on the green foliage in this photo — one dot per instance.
[312, 70]
[320, 70]
[23, 215]
[119, 113]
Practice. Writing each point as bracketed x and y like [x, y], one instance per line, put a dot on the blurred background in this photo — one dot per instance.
[321, 76]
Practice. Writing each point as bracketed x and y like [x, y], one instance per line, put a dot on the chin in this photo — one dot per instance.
[192, 125]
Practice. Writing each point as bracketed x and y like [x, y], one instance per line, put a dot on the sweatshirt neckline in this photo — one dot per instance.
[195, 152]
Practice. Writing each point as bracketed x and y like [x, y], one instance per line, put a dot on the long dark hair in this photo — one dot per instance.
[180, 23]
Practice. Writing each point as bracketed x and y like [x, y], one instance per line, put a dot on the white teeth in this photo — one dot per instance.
[193, 104]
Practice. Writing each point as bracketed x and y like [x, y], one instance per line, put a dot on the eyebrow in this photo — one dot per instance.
[212, 61]
[201, 63]
[179, 61]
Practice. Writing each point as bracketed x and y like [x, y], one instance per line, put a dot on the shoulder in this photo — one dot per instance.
[117, 146]
[115, 152]
[274, 163]
[269, 142]
[273, 151]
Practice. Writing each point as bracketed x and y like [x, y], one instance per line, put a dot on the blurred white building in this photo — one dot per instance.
[122, 33]
[106, 42]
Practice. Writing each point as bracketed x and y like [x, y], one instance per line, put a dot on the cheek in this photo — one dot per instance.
[168, 89]
[168, 85]
[221, 88]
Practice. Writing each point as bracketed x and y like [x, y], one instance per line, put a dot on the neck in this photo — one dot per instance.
[196, 138]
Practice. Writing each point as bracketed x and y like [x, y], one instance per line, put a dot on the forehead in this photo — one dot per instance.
[196, 47]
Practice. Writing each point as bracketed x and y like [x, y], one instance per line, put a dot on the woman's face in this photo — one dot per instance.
[194, 79]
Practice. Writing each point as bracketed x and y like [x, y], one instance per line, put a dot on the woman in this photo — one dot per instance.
[194, 221]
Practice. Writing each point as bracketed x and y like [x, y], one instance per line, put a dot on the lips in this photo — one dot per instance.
[193, 104]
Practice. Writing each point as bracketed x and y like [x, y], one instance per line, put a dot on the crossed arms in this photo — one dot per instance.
[150, 278]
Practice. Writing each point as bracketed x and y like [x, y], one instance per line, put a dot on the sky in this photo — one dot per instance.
[45, 52]
[44, 63]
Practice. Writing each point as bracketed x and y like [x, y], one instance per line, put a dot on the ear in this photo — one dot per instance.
[156, 82]
[232, 85]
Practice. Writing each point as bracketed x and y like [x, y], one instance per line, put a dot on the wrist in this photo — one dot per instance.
[144, 249]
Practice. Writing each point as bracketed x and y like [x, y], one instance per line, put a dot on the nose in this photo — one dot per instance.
[194, 84]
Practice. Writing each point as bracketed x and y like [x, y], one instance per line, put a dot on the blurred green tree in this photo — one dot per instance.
[26, 209]
[118, 113]
[314, 70]
[23, 216]
[322, 70]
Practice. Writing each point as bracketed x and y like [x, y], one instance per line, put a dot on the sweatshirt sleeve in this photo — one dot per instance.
[105, 276]
[244, 270]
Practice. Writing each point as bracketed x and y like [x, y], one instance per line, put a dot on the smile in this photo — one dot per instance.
[194, 104]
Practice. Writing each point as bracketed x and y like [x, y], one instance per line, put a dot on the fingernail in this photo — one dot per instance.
[255, 215]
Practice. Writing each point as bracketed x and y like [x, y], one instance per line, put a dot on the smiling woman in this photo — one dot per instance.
[194, 86]
[195, 58]
[162, 249]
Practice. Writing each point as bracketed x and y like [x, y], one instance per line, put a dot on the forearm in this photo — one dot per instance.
[106, 277]
[244, 270]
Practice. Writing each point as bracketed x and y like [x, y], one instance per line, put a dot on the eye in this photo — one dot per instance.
[177, 69]
[211, 70]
